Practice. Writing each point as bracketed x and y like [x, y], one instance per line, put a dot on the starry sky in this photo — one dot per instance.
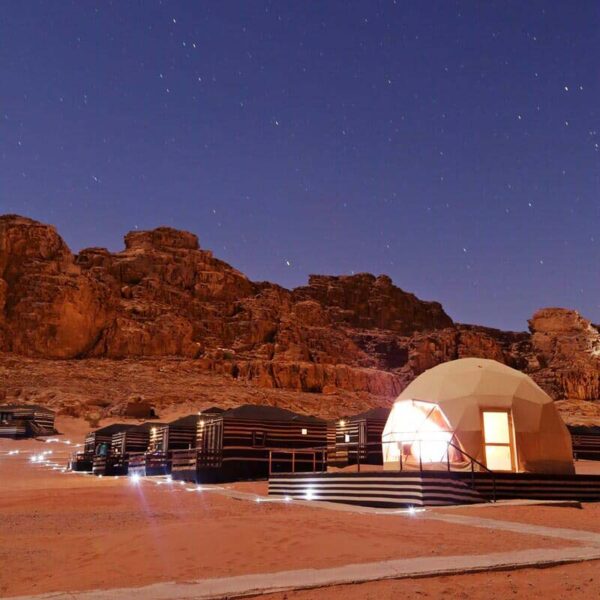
[451, 145]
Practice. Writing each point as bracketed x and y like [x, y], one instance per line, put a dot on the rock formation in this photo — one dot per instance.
[566, 353]
[165, 296]
[49, 306]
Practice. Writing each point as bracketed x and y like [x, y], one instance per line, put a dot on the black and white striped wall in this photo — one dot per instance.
[431, 488]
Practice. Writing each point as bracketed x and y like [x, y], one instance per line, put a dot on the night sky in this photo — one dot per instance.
[451, 145]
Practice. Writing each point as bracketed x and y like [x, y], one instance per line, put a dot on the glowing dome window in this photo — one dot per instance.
[417, 432]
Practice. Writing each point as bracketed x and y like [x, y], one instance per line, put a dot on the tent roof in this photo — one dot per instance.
[584, 429]
[261, 412]
[36, 407]
[114, 428]
[213, 410]
[378, 412]
[187, 421]
[147, 426]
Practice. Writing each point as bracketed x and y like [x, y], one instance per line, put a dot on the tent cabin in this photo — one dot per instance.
[248, 441]
[96, 442]
[358, 438]
[25, 420]
[179, 434]
[124, 444]
[586, 441]
[477, 412]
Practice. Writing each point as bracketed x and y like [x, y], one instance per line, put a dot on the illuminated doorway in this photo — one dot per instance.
[498, 440]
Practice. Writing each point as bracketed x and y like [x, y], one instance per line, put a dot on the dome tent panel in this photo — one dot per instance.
[544, 451]
[529, 390]
[417, 432]
[527, 415]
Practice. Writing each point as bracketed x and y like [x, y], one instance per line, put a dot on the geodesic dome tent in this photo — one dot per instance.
[495, 414]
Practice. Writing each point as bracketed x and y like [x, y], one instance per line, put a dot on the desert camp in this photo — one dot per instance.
[300, 300]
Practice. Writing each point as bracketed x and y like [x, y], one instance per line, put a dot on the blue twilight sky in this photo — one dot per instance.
[451, 145]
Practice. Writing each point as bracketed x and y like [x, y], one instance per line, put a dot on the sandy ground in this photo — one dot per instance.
[78, 532]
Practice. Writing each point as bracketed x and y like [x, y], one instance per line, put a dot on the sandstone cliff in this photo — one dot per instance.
[165, 296]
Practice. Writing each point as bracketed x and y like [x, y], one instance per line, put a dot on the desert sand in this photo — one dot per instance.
[581, 581]
[63, 531]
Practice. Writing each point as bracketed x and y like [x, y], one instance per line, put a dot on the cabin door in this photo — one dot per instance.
[498, 440]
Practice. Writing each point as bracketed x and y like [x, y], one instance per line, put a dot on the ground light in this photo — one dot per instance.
[135, 478]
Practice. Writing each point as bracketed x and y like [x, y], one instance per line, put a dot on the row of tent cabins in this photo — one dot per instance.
[25, 421]
[247, 442]
[250, 442]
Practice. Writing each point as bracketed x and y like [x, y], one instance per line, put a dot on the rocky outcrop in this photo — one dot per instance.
[49, 306]
[566, 353]
[165, 296]
[370, 302]
[172, 297]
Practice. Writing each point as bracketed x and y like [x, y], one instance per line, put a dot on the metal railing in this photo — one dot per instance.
[312, 453]
[474, 462]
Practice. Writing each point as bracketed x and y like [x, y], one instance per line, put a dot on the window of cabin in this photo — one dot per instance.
[102, 449]
[304, 431]
[259, 439]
